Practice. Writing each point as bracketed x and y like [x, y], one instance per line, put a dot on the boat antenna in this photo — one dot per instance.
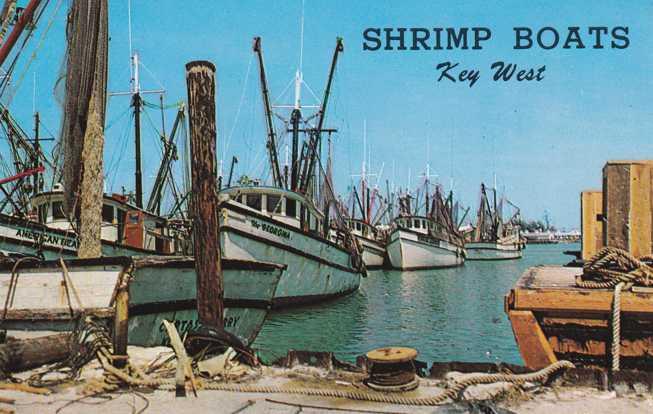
[129, 34]
[299, 77]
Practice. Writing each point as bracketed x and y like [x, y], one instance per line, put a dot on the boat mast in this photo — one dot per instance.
[137, 103]
[271, 144]
[165, 170]
[315, 134]
[22, 21]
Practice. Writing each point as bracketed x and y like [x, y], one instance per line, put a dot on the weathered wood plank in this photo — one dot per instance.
[533, 345]
[591, 207]
[60, 314]
[587, 301]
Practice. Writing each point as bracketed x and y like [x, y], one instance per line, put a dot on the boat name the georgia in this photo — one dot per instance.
[41, 237]
[271, 229]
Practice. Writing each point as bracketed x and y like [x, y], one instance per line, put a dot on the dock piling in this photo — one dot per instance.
[200, 80]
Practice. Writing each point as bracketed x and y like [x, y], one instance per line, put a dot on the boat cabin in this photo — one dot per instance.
[122, 223]
[362, 229]
[418, 224]
[282, 205]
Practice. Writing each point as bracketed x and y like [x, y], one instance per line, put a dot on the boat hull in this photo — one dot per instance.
[316, 271]
[412, 251]
[373, 253]
[492, 251]
[158, 289]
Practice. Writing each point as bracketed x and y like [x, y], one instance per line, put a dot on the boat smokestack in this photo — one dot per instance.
[200, 82]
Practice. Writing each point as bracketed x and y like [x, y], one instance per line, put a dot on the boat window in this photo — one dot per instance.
[254, 201]
[291, 208]
[57, 210]
[273, 204]
[416, 223]
[242, 199]
[358, 226]
[107, 213]
[364, 230]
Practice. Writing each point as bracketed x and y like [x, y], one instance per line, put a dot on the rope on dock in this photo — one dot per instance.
[610, 266]
[361, 395]
[133, 376]
[616, 326]
[616, 268]
[451, 394]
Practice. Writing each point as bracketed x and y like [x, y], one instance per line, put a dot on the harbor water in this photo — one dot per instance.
[446, 314]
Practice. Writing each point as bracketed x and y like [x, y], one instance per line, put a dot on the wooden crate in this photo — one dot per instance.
[591, 208]
[627, 206]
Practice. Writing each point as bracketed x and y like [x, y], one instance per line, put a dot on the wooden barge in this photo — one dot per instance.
[553, 319]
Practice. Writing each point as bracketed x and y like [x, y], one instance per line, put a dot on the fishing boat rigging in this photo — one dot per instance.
[425, 235]
[493, 237]
[295, 219]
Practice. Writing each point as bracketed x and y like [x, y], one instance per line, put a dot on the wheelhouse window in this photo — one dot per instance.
[107, 213]
[291, 207]
[273, 204]
[57, 210]
[254, 201]
[416, 223]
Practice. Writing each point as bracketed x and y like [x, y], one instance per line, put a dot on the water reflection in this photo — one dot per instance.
[446, 314]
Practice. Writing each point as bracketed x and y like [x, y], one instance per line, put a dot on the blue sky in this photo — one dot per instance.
[546, 141]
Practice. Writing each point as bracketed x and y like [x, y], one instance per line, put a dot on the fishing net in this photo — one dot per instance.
[85, 92]
[82, 135]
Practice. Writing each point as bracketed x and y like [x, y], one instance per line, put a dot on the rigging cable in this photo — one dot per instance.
[33, 56]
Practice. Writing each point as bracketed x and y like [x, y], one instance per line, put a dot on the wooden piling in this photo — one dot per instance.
[628, 206]
[200, 82]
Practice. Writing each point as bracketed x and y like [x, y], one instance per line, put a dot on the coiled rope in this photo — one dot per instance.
[615, 268]
[610, 266]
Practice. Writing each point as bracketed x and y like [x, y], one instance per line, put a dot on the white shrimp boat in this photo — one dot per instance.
[493, 238]
[413, 244]
[504, 249]
[280, 226]
[46, 296]
[369, 239]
